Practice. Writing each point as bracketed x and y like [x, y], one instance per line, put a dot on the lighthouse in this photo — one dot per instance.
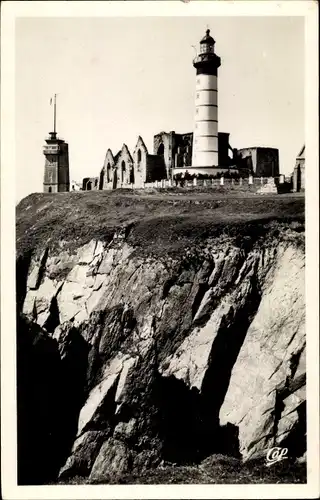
[56, 168]
[205, 134]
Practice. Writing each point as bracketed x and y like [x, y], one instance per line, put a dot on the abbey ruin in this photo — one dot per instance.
[204, 153]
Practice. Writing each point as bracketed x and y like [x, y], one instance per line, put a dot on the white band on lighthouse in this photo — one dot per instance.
[205, 136]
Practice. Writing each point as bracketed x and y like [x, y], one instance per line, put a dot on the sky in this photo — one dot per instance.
[118, 78]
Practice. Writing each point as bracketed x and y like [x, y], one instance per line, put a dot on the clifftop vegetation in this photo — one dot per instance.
[156, 220]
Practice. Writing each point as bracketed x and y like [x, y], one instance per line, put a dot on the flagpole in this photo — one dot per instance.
[54, 114]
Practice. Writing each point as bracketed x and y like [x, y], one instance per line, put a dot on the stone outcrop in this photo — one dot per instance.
[174, 358]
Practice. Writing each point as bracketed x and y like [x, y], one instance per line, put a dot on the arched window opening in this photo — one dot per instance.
[139, 159]
[123, 169]
[132, 175]
[101, 181]
[162, 162]
[96, 183]
[50, 189]
[108, 172]
[89, 186]
[160, 151]
[115, 179]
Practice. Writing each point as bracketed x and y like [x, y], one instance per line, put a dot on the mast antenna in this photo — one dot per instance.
[54, 113]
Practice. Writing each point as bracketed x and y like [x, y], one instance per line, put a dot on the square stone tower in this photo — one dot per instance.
[56, 168]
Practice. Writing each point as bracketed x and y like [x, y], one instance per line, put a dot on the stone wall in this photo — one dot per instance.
[140, 155]
[163, 145]
[124, 166]
[90, 184]
[50, 182]
[223, 149]
[177, 149]
[156, 169]
[63, 170]
[268, 162]
[298, 173]
[259, 185]
[106, 174]
[263, 161]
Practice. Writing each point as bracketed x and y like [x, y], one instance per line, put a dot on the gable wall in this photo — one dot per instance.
[140, 167]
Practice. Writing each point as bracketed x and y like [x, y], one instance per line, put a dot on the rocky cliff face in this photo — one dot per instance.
[172, 358]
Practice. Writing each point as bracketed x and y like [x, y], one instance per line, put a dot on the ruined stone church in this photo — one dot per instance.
[171, 154]
[205, 151]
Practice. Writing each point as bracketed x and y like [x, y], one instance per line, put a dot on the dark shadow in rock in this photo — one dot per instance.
[74, 359]
[22, 269]
[54, 316]
[38, 404]
[42, 267]
[50, 393]
[225, 350]
[179, 407]
[189, 434]
[296, 442]
[227, 441]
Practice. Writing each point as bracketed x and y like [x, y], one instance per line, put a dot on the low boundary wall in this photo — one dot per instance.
[247, 182]
[254, 184]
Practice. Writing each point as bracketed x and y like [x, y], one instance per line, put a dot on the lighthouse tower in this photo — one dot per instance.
[56, 168]
[205, 135]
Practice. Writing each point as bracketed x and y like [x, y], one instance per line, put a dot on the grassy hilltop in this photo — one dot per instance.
[162, 220]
